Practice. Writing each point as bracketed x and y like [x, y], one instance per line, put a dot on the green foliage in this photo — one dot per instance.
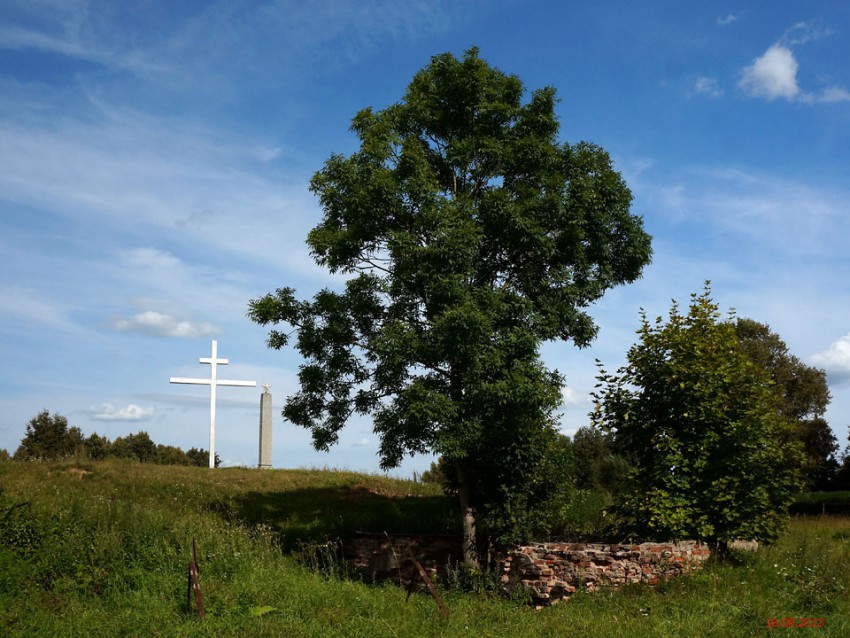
[48, 437]
[200, 458]
[97, 447]
[577, 515]
[841, 480]
[435, 474]
[469, 235]
[713, 455]
[517, 503]
[832, 502]
[138, 447]
[804, 393]
[803, 397]
[18, 530]
[820, 446]
[598, 466]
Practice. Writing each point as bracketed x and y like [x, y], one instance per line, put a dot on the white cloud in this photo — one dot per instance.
[835, 359]
[133, 412]
[573, 399]
[708, 87]
[772, 75]
[161, 324]
[727, 20]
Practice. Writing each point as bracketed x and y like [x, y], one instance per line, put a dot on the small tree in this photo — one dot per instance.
[201, 457]
[470, 235]
[713, 455]
[49, 438]
[170, 455]
[137, 446]
[97, 447]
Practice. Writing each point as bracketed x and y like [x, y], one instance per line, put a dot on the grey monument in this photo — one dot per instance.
[265, 461]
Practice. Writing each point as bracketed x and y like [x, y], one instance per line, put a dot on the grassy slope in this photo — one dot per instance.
[102, 550]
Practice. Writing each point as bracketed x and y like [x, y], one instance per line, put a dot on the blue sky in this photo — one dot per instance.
[155, 157]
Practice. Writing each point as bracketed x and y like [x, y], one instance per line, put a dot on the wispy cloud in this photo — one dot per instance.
[194, 48]
[108, 412]
[73, 29]
[708, 87]
[835, 360]
[804, 32]
[725, 21]
[771, 211]
[828, 95]
[161, 324]
[127, 171]
[20, 303]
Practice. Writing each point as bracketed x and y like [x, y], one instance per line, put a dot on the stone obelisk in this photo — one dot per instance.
[265, 461]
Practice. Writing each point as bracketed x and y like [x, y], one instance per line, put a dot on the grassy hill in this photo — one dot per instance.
[102, 549]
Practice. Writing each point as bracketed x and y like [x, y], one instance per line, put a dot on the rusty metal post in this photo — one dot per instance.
[194, 587]
[444, 611]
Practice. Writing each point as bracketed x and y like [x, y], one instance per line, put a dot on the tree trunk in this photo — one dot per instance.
[719, 549]
[467, 512]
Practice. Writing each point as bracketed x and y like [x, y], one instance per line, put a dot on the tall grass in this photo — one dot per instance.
[102, 549]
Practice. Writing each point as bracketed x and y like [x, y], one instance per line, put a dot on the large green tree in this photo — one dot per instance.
[470, 235]
[713, 455]
[803, 397]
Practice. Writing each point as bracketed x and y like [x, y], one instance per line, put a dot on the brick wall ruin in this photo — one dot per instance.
[548, 571]
[553, 571]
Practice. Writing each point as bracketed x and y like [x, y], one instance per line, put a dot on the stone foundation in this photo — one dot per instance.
[548, 571]
[554, 571]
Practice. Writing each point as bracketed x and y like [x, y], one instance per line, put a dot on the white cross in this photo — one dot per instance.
[213, 382]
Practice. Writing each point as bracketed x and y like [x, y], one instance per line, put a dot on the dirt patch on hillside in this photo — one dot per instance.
[77, 472]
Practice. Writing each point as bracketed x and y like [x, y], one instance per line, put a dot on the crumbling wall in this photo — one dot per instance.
[553, 571]
[548, 571]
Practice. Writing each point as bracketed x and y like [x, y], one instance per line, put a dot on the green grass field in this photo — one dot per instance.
[102, 549]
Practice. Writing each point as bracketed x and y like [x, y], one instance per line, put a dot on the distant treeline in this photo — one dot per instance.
[49, 438]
